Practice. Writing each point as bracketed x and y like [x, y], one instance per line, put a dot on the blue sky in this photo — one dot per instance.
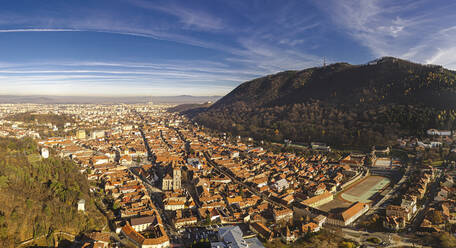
[140, 47]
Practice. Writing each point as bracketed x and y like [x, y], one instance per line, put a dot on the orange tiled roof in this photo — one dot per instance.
[317, 198]
[353, 210]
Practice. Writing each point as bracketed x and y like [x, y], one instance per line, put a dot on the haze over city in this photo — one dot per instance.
[137, 47]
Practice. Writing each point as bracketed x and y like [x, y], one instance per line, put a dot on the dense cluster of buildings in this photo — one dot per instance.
[163, 174]
[201, 179]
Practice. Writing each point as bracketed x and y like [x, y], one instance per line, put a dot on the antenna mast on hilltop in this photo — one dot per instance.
[324, 62]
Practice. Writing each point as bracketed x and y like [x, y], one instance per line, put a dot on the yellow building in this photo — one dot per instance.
[81, 134]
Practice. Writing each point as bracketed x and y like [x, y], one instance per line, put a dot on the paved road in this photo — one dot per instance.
[154, 193]
[362, 236]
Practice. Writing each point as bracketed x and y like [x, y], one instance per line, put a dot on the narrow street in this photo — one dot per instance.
[429, 196]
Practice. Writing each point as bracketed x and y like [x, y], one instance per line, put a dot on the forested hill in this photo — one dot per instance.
[39, 196]
[340, 104]
[390, 80]
[58, 120]
[189, 107]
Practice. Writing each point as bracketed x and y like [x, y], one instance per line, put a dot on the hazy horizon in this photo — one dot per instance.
[109, 96]
[52, 99]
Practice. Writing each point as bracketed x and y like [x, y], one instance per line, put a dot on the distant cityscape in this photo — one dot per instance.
[166, 181]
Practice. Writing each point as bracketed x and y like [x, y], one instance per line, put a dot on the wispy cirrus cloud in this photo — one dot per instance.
[18, 30]
[271, 58]
[418, 30]
[260, 47]
[187, 77]
[109, 21]
[241, 40]
[188, 17]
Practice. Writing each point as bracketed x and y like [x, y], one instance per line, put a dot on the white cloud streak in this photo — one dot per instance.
[190, 18]
[141, 78]
[38, 30]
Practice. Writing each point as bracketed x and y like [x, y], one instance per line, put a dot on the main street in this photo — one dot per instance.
[155, 193]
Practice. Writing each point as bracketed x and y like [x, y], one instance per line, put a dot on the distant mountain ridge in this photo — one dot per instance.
[340, 103]
[38, 99]
[190, 107]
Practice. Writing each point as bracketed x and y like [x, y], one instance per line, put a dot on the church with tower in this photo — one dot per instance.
[172, 179]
